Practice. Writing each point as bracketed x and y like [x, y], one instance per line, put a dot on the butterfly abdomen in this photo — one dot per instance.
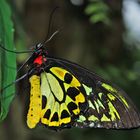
[35, 106]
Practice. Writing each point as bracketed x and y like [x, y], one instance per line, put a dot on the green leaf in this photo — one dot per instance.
[100, 17]
[98, 12]
[94, 8]
[7, 59]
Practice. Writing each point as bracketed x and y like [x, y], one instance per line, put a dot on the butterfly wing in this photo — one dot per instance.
[72, 96]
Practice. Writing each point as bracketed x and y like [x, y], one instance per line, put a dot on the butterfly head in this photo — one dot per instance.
[39, 55]
[40, 48]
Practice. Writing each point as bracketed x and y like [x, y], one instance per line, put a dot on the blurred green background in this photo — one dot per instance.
[101, 35]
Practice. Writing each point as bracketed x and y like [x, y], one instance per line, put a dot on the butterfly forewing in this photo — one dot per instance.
[72, 96]
[108, 106]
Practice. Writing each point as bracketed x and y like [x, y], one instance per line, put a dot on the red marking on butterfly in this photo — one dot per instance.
[38, 60]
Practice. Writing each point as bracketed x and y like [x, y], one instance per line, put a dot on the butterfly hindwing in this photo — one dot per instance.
[72, 96]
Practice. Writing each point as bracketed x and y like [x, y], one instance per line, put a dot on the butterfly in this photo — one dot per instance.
[64, 94]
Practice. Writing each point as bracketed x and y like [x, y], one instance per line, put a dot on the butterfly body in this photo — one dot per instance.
[64, 94]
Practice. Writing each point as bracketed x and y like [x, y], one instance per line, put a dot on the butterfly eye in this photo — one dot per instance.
[38, 46]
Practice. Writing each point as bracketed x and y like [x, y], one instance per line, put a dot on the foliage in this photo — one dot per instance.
[98, 11]
[7, 60]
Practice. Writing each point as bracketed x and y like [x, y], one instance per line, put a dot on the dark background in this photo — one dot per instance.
[98, 34]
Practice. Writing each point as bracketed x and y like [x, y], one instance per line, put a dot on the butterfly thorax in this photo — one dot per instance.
[38, 60]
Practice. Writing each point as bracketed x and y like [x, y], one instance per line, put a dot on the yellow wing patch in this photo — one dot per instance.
[61, 74]
[111, 89]
[55, 87]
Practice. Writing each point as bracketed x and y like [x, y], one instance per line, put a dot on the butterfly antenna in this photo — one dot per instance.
[17, 52]
[50, 22]
[56, 32]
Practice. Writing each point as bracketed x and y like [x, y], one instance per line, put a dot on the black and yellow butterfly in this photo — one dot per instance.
[64, 94]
